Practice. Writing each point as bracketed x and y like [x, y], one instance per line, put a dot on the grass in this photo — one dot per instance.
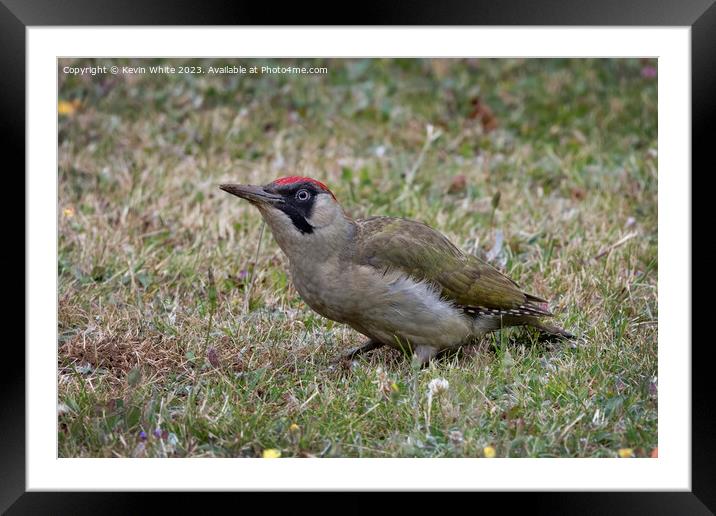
[178, 336]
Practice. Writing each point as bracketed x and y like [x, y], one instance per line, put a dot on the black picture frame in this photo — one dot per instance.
[17, 15]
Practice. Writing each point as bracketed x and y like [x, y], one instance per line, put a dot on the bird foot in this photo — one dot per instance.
[353, 353]
[423, 354]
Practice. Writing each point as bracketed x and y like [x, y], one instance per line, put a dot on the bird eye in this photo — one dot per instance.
[302, 195]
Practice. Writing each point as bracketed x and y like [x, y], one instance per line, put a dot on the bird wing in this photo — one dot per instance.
[426, 255]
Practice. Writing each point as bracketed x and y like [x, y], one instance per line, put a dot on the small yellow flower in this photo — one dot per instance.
[394, 387]
[625, 453]
[271, 453]
[69, 212]
[67, 108]
[294, 427]
[489, 452]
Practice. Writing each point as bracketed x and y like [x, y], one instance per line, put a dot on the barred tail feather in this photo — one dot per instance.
[533, 307]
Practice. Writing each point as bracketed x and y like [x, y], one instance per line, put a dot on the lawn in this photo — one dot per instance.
[180, 334]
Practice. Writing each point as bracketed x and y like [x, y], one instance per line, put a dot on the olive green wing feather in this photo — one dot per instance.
[427, 255]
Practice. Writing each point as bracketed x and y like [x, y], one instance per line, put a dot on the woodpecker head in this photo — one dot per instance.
[301, 212]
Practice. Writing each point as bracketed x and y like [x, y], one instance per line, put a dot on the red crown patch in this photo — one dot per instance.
[301, 179]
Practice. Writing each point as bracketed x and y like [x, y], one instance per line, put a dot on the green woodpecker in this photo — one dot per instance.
[397, 281]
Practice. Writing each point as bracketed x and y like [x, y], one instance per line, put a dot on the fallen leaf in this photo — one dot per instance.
[213, 357]
[482, 111]
[458, 184]
[578, 193]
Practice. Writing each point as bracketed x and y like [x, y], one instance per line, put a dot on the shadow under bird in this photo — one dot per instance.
[397, 281]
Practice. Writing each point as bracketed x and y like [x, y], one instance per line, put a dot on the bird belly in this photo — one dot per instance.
[391, 308]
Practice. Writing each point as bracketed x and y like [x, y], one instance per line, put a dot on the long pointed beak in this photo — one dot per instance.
[252, 193]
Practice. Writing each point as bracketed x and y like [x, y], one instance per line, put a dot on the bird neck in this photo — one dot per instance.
[323, 243]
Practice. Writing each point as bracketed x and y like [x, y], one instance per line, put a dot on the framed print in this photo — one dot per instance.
[467, 247]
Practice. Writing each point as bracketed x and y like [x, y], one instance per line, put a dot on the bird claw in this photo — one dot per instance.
[349, 355]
